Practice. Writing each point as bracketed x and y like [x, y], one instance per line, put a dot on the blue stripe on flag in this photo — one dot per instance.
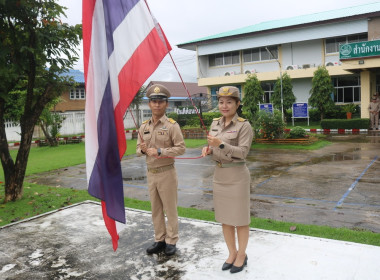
[113, 16]
[106, 178]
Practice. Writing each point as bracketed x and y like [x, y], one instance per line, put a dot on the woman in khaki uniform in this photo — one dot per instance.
[230, 139]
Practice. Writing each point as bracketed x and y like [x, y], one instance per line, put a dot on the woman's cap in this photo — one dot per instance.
[228, 91]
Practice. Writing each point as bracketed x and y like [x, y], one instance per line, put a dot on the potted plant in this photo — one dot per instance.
[349, 109]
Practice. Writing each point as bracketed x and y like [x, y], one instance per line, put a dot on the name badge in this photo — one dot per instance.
[231, 131]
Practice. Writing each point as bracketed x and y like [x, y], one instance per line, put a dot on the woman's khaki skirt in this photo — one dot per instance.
[232, 195]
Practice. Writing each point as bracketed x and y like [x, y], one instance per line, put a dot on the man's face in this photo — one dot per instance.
[158, 107]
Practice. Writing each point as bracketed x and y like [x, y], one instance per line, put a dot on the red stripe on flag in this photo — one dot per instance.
[88, 7]
[139, 67]
[111, 227]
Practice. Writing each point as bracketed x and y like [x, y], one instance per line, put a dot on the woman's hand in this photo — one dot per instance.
[213, 141]
[206, 151]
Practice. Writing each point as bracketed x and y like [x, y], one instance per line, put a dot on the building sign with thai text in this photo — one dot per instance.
[185, 111]
[359, 49]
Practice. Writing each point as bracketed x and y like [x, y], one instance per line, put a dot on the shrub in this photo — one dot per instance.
[297, 132]
[193, 120]
[269, 126]
[345, 124]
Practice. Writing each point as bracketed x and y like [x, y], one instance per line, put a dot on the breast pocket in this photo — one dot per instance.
[147, 137]
[163, 139]
[213, 133]
[231, 138]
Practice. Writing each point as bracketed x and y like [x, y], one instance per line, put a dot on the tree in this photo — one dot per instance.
[36, 48]
[136, 102]
[50, 123]
[288, 97]
[253, 95]
[321, 90]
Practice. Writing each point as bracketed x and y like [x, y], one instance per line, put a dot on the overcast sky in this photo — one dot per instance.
[183, 21]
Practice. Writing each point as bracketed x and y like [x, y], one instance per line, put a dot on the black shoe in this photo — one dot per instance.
[226, 266]
[170, 249]
[235, 269]
[156, 247]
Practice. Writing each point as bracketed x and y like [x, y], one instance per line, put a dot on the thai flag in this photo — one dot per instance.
[123, 45]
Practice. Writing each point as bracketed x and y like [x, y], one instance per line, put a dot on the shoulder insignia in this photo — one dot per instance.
[217, 119]
[145, 121]
[241, 119]
[171, 120]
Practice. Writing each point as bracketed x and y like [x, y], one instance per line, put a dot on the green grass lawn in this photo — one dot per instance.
[38, 199]
[43, 159]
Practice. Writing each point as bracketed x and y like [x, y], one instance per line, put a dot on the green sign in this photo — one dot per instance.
[360, 49]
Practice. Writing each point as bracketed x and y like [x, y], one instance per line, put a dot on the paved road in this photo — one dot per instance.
[338, 185]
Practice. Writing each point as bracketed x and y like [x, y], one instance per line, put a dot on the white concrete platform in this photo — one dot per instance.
[74, 244]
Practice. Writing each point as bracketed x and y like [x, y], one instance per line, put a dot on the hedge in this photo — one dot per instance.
[193, 120]
[345, 124]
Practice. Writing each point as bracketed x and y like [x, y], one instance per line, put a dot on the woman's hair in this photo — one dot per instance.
[232, 97]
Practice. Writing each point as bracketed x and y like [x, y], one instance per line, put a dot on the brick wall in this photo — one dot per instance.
[69, 105]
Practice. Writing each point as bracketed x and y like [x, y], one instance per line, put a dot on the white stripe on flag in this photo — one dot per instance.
[128, 36]
[97, 78]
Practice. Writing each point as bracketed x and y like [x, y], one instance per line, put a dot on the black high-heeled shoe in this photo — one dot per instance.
[227, 266]
[235, 269]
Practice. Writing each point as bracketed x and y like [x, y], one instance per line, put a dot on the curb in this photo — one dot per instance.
[15, 144]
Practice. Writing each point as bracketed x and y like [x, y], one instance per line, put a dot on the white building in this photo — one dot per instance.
[347, 41]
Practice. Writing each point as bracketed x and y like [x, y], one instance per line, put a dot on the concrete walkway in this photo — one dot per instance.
[73, 244]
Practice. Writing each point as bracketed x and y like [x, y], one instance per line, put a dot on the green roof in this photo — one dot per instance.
[304, 19]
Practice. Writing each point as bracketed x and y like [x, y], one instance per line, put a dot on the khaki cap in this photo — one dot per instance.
[157, 91]
[228, 91]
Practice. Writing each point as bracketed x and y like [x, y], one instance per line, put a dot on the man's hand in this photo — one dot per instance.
[152, 152]
[143, 147]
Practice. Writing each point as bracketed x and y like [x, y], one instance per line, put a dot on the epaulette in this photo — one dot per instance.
[241, 119]
[216, 119]
[145, 121]
[171, 120]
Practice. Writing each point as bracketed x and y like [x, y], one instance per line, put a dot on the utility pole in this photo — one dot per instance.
[279, 64]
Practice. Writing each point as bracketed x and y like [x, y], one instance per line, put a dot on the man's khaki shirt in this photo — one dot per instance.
[374, 107]
[237, 138]
[166, 135]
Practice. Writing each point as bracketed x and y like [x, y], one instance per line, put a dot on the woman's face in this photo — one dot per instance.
[228, 106]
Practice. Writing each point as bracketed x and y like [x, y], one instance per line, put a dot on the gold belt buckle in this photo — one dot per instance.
[219, 164]
[154, 170]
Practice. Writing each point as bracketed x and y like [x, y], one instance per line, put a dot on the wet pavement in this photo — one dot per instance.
[338, 185]
[72, 243]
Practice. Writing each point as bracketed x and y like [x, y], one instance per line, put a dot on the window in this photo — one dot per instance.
[268, 91]
[227, 58]
[260, 54]
[347, 89]
[147, 114]
[332, 44]
[77, 94]
[214, 97]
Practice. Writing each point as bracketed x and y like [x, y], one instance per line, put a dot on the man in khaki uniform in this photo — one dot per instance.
[374, 109]
[162, 140]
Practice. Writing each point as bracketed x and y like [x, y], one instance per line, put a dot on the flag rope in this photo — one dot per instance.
[192, 102]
